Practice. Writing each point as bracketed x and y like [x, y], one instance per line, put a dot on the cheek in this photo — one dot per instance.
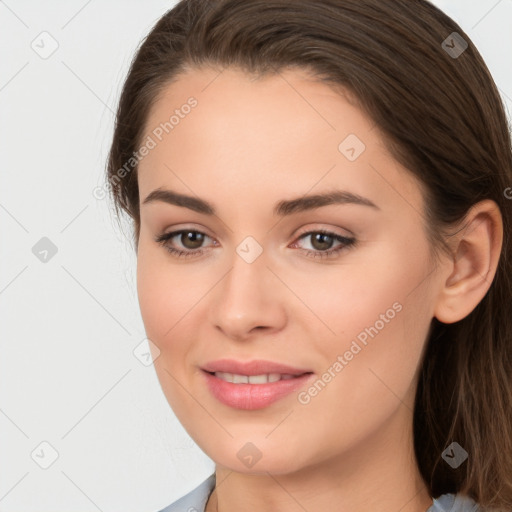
[378, 315]
[159, 292]
[150, 294]
[169, 299]
[163, 305]
[352, 296]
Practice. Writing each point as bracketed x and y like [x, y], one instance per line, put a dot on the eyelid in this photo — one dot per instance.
[324, 227]
[178, 228]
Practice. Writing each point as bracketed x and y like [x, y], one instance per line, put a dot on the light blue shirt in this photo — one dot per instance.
[195, 500]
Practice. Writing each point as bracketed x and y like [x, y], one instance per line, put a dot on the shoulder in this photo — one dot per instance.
[454, 503]
[195, 500]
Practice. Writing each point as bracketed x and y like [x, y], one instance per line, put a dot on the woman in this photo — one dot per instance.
[320, 195]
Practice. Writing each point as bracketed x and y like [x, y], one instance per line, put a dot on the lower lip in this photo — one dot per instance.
[253, 396]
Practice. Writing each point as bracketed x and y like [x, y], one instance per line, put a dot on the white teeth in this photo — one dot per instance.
[253, 379]
[259, 379]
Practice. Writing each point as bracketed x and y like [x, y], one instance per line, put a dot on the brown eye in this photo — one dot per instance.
[184, 243]
[191, 239]
[321, 241]
[188, 243]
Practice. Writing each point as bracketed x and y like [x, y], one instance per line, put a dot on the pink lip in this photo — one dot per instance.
[252, 396]
[255, 367]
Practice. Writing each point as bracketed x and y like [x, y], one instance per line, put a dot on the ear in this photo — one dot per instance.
[476, 249]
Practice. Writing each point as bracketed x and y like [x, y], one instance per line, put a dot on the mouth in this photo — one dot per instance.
[254, 368]
[251, 392]
[264, 378]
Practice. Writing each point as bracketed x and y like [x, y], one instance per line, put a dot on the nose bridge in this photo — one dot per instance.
[245, 283]
[246, 297]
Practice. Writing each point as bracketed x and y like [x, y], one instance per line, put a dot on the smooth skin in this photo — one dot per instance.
[247, 145]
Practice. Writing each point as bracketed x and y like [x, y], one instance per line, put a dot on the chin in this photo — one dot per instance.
[252, 458]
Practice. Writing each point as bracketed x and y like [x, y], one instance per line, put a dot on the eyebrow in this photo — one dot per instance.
[282, 208]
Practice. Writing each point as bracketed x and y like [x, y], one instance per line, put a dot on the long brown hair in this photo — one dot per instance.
[441, 116]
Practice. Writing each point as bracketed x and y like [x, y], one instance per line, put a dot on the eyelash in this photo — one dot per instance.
[346, 244]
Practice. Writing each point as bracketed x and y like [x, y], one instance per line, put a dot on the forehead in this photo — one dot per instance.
[285, 132]
[279, 109]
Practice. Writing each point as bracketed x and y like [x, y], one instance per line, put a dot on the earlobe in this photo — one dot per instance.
[476, 251]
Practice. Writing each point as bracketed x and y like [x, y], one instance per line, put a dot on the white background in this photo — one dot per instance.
[69, 326]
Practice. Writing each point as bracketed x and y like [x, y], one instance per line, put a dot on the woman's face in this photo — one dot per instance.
[259, 281]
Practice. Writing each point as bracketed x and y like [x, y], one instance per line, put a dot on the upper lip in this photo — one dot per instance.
[254, 367]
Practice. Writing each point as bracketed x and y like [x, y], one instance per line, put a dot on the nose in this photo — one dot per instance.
[249, 299]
